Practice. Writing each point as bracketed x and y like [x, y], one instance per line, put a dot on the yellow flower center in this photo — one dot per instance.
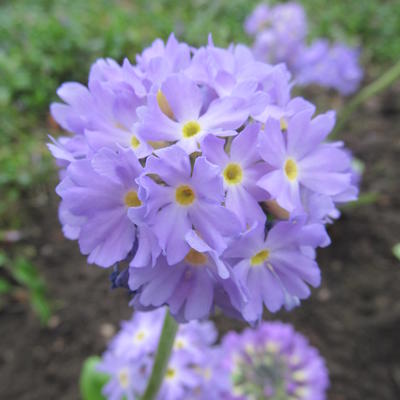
[233, 174]
[196, 258]
[190, 129]
[135, 142]
[140, 336]
[284, 124]
[164, 105]
[170, 373]
[259, 258]
[123, 378]
[184, 195]
[300, 375]
[131, 199]
[291, 170]
[179, 344]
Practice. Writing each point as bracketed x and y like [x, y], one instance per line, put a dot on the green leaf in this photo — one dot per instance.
[27, 275]
[41, 306]
[5, 286]
[396, 250]
[3, 259]
[364, 199]
[92, 381]
[25, 272]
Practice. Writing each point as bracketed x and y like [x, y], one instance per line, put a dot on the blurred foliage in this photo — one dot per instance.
[396, 250]
[19, 272]
[91, 381]
[46, 42]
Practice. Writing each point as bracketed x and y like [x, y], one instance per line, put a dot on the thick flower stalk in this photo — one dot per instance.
[198, 177]
[280, 35]
[271, 362]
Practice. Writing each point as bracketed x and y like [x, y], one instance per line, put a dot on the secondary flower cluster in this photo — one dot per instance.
[272, 362]
[280, 36]
[130, 356]
[198, 169]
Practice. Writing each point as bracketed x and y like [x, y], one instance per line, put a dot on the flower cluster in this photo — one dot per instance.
[197, 170]
[280, 34]
[271, 362]
[274, 362]
[130, 356]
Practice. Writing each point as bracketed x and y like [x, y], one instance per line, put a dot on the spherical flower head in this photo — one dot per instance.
[280, 36]
[183, 168]
[274, 362]
[329, 65]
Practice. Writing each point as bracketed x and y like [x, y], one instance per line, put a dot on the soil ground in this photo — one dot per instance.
[353, 318]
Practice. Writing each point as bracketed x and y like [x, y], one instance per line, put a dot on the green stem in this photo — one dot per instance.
[164, 350]
[372, 89]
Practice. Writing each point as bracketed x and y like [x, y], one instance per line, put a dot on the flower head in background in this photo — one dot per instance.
[274, 362]
[280, 35]
[130, 356]
[331, 66]
[197, 176]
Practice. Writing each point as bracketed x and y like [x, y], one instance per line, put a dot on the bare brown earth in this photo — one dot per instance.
[353, 318]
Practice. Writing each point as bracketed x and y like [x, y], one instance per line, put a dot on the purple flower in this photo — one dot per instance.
[127, 379]
[274, 269]
[98, 193]
[105, 113]
[193, 337]
[67, 149]
[130, 356]
[177, 114]
[160, 60]
[186, 222]
[188, 287]
[139, 336]
[189, 199]
[280, 36]
[258, 19]
[228, 72]
[298, 159]
[274, 361]
[333, 66]
[180, 379]
[281, 33]
[241, 169]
